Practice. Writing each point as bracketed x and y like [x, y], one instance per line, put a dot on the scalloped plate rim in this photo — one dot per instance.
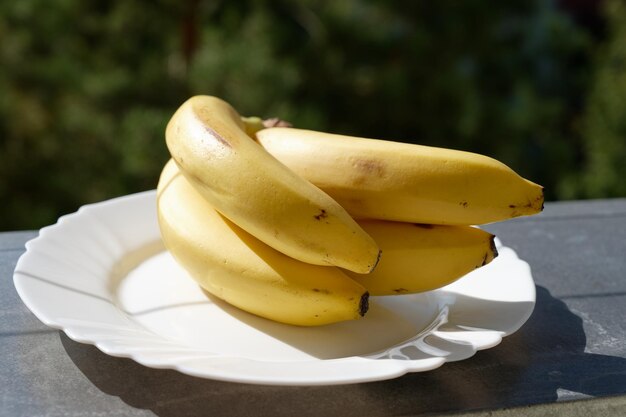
[399, 367]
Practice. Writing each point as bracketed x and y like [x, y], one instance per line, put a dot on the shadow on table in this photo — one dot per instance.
[528, 367]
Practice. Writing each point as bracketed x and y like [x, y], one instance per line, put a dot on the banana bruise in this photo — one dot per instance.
[377, 179]
[421, 257]
[233, 265]
[206, 138]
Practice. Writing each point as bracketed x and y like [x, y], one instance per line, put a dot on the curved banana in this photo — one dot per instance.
[243, 271]
[404, 182]
[421, 257]
[207, 140]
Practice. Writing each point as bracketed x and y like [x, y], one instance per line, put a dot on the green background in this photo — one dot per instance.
[86, 88]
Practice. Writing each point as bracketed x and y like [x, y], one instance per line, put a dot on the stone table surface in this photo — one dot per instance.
[568, 359]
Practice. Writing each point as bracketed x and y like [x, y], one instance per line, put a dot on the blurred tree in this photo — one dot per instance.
[605, 121]
[86, 95]
[86, 88]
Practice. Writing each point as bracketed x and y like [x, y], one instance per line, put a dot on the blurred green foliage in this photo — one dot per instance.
[605, 120]
[86, 88]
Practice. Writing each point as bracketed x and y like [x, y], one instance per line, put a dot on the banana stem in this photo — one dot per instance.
[276, 122]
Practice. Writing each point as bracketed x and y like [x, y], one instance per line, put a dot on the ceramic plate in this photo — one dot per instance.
[103, 277]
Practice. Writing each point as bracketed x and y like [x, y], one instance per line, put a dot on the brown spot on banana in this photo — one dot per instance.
[370, 166]
[366, 169]
[322, 215]
[531, 205]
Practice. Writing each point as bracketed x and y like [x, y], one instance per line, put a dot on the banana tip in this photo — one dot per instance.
[380, 253]
[492, 245]
[364, 304]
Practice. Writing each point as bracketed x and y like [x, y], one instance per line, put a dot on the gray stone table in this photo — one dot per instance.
[568, 359]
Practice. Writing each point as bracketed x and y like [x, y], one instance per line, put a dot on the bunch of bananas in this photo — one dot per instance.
[301, 227]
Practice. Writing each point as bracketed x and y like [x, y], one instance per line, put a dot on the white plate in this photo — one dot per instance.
[102, 276]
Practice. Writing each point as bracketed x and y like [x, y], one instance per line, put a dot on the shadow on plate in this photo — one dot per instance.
[528, 367]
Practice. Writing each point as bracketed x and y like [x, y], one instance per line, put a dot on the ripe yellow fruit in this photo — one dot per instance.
[376, 179]
[207, 139]
[420, 257]
[233, 265]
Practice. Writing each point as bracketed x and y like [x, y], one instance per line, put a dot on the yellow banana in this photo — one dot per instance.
[420, 257]
[206, 138]
[404, 182]
[243, 271]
